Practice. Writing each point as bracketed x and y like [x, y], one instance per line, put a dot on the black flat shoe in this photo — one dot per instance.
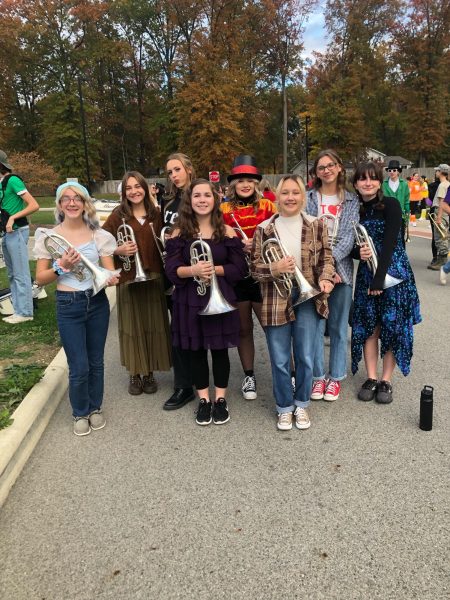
[179, 398]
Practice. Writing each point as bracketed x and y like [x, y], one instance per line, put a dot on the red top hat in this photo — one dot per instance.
[244, 166]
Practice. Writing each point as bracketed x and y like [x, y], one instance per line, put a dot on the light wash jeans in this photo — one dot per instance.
[446, 267]
[339, 303]
[300, 335]
[83, 322]
[15, 254]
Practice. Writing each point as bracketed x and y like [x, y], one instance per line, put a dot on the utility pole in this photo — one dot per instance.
[83, 129]
[307, 122]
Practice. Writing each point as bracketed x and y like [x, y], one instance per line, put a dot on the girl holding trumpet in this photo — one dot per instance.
[200, 218]
[244, 210]
[82, 314]
[290, 315]
[386, 303]
[141, 306]
[329, 200]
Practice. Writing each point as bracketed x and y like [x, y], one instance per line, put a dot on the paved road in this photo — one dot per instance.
[155, 507]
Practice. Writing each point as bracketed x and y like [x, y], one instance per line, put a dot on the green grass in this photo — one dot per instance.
[31, 346]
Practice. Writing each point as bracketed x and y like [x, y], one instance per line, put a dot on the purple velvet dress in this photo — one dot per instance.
[191, 331]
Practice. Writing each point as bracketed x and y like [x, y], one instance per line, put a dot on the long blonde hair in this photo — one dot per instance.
[233, 198]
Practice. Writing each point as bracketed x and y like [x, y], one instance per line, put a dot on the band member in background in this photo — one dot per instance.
[441, 216]
[395, 187]
[200, 218]
[180, 173]
[415, 197]
[16, 203]
[288, 324]
[331, 201]
[383, 318]
[246, 208]
[142, 318]
[82, 317]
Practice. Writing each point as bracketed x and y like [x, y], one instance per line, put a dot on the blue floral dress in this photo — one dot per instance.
[397, 309]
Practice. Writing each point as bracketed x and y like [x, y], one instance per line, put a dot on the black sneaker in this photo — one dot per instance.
[203, 413]
[220, 412]
[384, 393]
[368, 390]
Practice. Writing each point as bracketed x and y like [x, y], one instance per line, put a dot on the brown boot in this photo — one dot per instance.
[135, 385]
[149, 384]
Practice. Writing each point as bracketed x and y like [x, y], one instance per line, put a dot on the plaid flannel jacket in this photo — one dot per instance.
[346, 234]
[317, 264]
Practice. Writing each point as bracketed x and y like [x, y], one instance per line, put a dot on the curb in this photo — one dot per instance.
[32, 416]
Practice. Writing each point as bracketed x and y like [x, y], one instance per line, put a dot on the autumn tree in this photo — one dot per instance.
[39, 176]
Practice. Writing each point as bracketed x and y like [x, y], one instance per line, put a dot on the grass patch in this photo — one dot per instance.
[26, 350]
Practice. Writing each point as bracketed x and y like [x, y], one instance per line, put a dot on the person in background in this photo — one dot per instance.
[16, 203]
[441, 216]
[153, 191]
[330, 200]
[81, 314]
[384, 311]
[424, 193]
[288, 323]
[432, 189]
[266, 189]
[180, 174]
[395, 187]
[200, 218]
[142, 319]
[245, 208]
[415, 197]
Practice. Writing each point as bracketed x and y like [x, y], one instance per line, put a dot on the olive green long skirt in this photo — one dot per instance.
[144, 332]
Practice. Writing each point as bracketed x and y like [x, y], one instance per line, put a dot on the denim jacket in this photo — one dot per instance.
[346, 235]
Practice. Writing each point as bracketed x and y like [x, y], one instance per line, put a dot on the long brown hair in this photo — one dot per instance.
[125, 211]
[317, 182]
[189, 168]
[187, 219]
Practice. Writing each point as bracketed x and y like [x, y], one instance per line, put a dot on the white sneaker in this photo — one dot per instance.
[249, 387]
[442, 277]
[302, 418]
[284, 421]
[16, 319]
[414, 224]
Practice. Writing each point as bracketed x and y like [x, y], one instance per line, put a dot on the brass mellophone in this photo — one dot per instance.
[273, 250]
[217, 304]
[361, 238]
[160, 241]
[335, 229]
[125, 234]
[100, 276]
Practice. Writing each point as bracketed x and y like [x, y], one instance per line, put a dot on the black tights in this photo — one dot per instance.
[200, 368]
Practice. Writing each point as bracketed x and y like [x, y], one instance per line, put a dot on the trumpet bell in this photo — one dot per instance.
[216, 306]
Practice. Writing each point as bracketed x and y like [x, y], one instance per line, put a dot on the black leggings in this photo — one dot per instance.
[200, 368]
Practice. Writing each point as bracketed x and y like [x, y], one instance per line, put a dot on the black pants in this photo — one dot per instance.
[200, 368]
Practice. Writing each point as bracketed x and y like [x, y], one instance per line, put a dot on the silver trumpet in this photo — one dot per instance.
[361, 238]
[272, 251]
[441, 229]
[100, 275]
[217, 304]
[160, 241]
[125, 234]
[333, 237]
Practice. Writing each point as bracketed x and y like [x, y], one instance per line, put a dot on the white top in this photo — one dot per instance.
[329, 205]
[102, 244]
[289, 231]
[393, 185]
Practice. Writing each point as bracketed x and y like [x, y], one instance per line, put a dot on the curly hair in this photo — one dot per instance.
[187, 219]
[317, 182]
[125, 210]
[374, 171]
[172, 189]
[234, 200]
[89, 215]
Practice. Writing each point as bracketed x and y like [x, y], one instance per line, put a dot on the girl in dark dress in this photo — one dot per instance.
[382, 316]
[200, 217]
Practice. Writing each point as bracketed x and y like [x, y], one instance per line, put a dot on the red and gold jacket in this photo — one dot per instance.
[246, 216]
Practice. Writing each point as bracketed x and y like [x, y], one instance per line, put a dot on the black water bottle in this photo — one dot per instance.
[426, 408]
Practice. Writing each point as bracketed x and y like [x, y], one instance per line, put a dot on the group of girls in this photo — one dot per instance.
[258, 256]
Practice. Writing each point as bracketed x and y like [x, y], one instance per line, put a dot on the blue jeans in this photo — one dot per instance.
[446, 267]
[301, 335]
[83, 322]
[15, 253]
[339, 303]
